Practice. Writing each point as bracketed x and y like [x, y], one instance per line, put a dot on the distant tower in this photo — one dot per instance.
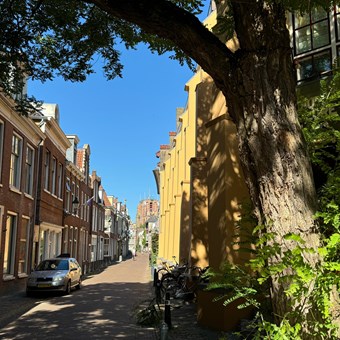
[145, 209]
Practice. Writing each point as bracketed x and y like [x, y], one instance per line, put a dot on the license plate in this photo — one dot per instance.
[44, 285]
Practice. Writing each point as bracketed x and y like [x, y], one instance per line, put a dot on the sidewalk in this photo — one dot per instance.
[184, 325]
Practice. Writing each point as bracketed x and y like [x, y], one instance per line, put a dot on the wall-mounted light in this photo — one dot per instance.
[75, 205]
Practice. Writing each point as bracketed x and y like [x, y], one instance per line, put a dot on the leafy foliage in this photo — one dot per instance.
[320, 120]
[154, 249]
[193, 6]
[225, 25]
[44, 39]
[307, 286]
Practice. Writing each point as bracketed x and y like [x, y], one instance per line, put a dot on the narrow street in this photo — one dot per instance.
[102, 309]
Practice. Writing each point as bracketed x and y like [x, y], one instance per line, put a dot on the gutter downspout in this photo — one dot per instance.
[34, 258]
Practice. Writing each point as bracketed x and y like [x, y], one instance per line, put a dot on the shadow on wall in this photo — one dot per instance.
[185, 232]
[199, 175]
[223, 178]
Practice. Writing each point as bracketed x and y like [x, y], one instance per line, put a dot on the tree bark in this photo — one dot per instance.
[272, 148]
[259, 85]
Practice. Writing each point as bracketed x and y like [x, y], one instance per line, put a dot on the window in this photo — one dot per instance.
[71, 237]
[54, 176]
[47, 170]
[82, 205]
[68, 195]
[15, 167]
[106, 246]
[87, 205]
[23, 246]
[10, 240]
[337, 21]
[1, 144]
[66, 232]
[73, 196]
[75, 243]
[94, 249]
[314, 66]
[95, 219]
[311, 31]
[78, 197]
[60, 180]
[29, 170]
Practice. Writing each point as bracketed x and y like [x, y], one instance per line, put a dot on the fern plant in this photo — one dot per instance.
[308, 287]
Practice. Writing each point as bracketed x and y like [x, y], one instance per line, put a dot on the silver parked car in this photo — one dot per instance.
[57, 274]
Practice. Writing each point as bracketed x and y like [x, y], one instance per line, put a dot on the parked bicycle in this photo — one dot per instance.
[181, 281]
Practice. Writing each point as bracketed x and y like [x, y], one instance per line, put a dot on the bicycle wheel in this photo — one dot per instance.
[169, 285]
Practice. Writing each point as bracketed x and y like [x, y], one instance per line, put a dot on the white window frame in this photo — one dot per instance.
[47, 169]
[29, 170]
[68, 195]
[10, 244]
[78, 197]
[60, 180]
[309, 26]
[25, 221]
[16, 162]
[54, 176]
[73, 195]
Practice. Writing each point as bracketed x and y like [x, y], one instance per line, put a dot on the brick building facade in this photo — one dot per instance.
[49, 204]
[19, 141]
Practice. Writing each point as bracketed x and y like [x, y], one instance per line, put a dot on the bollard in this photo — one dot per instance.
[167, 310]
[155, 277]
[164, 331]
[158, 292]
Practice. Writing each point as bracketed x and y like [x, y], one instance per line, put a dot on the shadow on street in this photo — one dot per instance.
[96, 311]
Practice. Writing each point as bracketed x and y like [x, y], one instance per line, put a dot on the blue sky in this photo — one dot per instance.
[124, 120]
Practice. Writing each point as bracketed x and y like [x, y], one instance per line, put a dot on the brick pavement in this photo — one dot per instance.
[123, 287]
[102, 309]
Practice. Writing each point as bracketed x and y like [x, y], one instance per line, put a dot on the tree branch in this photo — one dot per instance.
[163, 18]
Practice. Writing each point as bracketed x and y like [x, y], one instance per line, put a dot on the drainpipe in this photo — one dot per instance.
[36, 205]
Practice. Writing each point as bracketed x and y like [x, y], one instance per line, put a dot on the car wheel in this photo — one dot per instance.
[78, 286]
[68, 288]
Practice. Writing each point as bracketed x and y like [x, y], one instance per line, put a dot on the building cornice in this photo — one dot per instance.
[73, 169]
[53, 131]
[22, 123]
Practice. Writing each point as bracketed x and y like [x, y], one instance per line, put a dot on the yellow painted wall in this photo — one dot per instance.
[201, 181]
[175, 232]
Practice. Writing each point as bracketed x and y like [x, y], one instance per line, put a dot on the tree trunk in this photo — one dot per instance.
[259, 85]
[272, 149]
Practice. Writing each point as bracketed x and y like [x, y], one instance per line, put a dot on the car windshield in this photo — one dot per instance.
[53, 265]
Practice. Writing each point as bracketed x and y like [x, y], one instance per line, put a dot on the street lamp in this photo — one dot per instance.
[75, 204]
